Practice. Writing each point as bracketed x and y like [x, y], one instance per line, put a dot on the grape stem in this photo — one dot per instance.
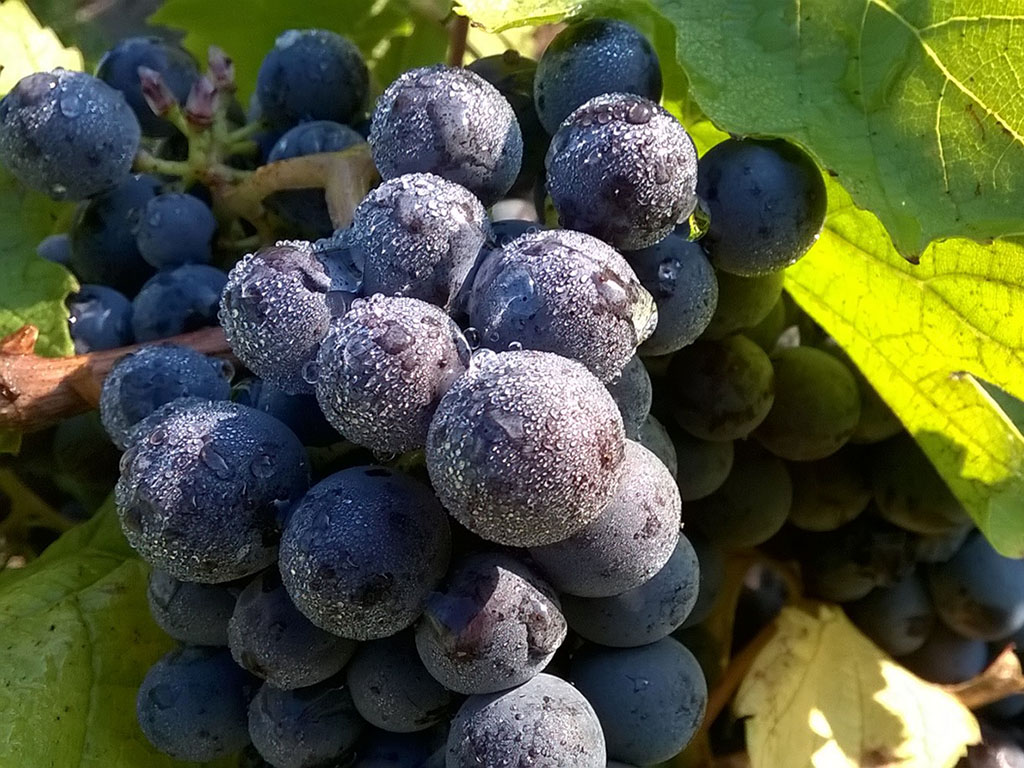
[1000, 679]
[457, 35]
[37, 392]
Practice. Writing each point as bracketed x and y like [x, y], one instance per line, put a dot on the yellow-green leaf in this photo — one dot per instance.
[921, 334]
[821, 695]
[497, 15]
[27, 47]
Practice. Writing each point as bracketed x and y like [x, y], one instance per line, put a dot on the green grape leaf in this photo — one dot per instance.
[394, 35]
[914, 106]
[32, 290]
[821, 695]
[77, 641]
[27, 47]
[498, 15]
[923, 336]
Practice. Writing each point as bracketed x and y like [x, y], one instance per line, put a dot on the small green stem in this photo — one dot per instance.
[245, 132]
[244, 147]
[147, 163]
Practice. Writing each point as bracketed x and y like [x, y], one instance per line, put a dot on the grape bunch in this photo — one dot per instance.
[464, 496]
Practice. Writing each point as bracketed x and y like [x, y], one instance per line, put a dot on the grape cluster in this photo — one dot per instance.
[438, 518]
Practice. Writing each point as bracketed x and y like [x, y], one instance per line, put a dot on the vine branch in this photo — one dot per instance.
[37, 392]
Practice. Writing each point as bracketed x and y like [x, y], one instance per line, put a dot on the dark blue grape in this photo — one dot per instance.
[513, 75]
[176, 229]
[743, 302]
[632, 392]
[422, 749]
[766, 200]
[563, 292]
[629, 543]
[305, 210]
[979, 593]
[203, 490]
[142, 381]
[85, 461]
[312, 74]
[197, 614]
[544, 719]
[656, 439]
[898, 618]
[679, 276]
[362, 551]
[590, 58]
[947, 658]
[192, 704]
[300, 413]
[996, 750]
[55, 248]
[940, 547]
[119, 68]
[910, 492]
[503, 232]
[494, 625]
[383, 368]
[766, 333]
[644, 614]
[829, 492]
[816, 407]
[419, 236]
[450, 122]
[751, 505]
[711, 562]
[274, 312]
[707, 465]
[344, 264]
[526, 448]
[304, 728]
[761, 598]
[100, 318]
[623, 169]
[67, 134]
[270, 637]
[847, 563]
[103, 247]
[650, 700]
[392, 689]
[177, 301]
[721, 390]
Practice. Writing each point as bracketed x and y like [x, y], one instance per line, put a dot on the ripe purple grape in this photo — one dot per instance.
[383, 368]
[545, 716]
[362, 551]
[203, 488]
[450, 122]
[563, 292]
[269, 637]
[629, 543]
[419, 236]
[392, 689]
[623, 169]
[274, 312]
[526, 448]
[494, 625]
